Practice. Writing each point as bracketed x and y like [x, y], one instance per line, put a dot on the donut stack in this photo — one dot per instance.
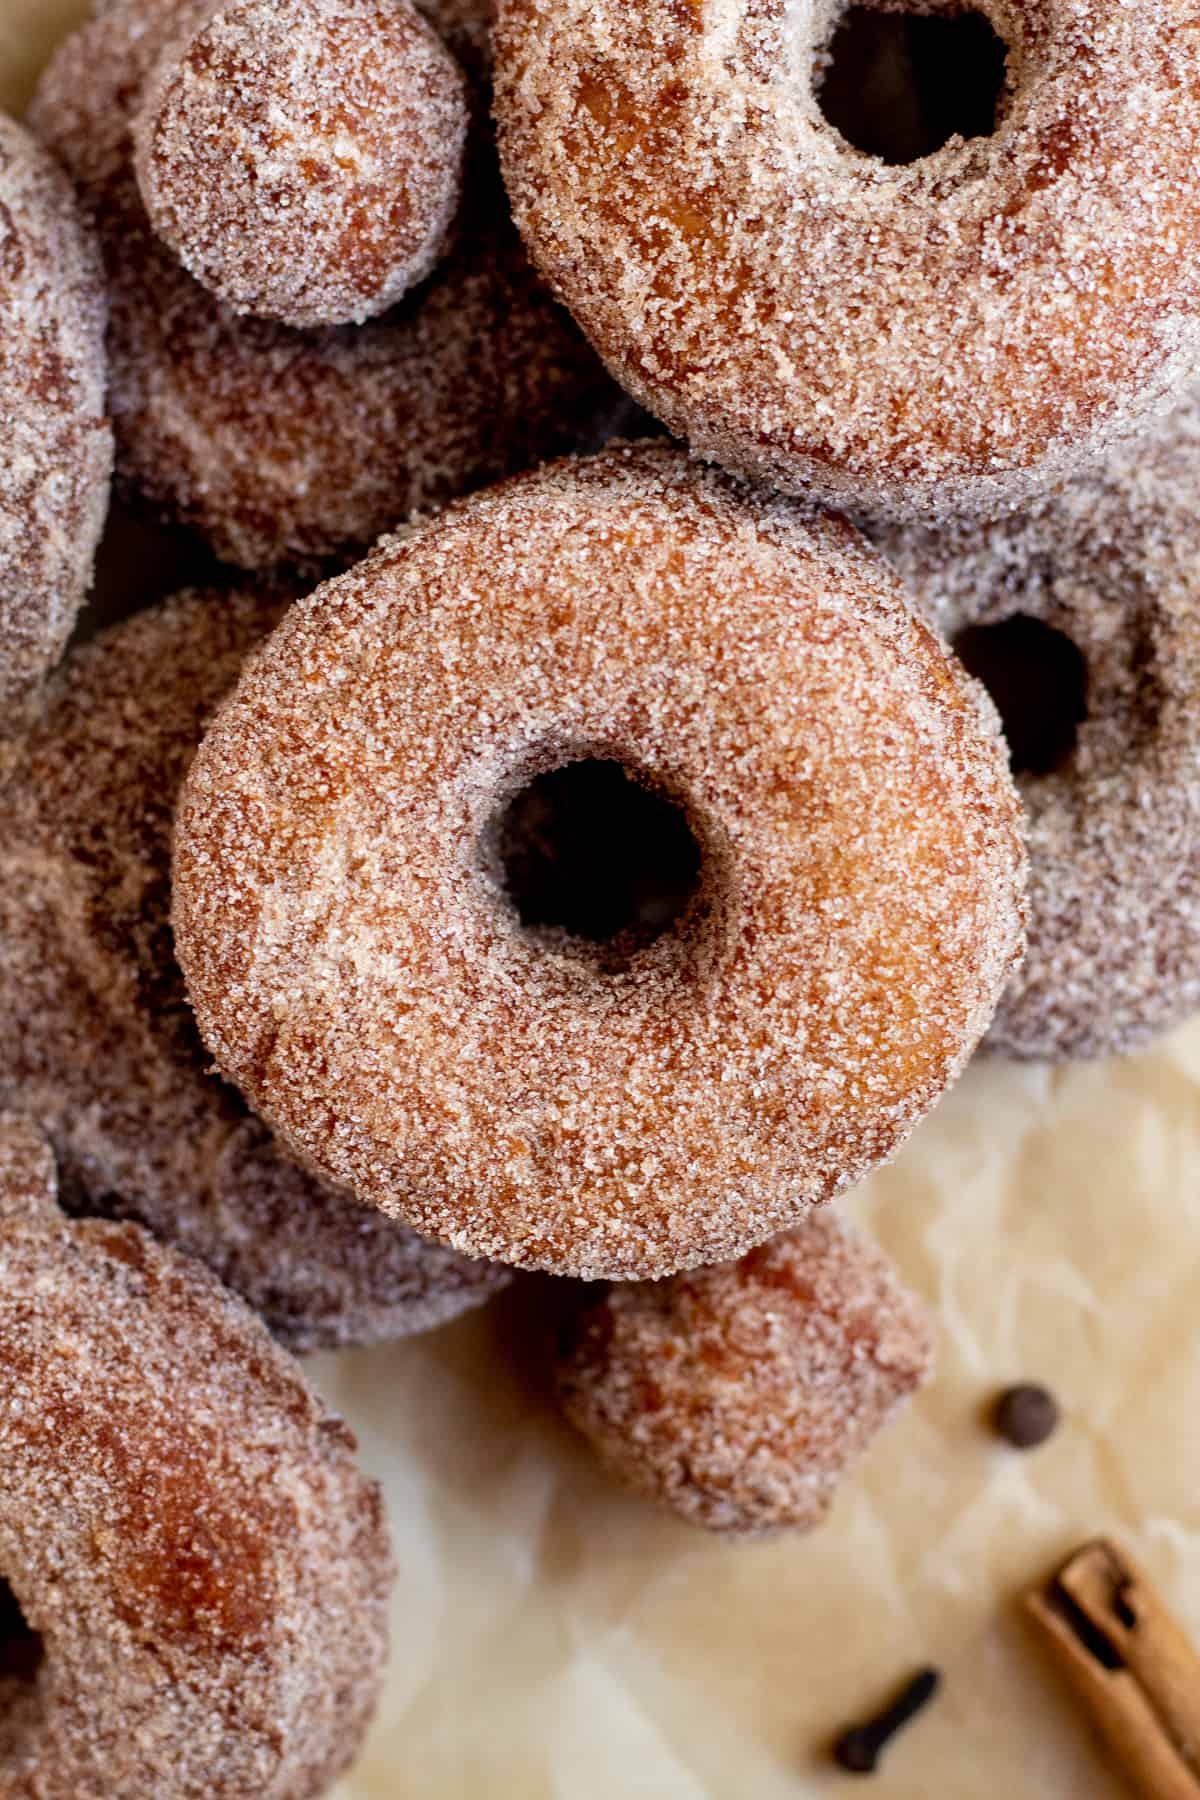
[591, 867]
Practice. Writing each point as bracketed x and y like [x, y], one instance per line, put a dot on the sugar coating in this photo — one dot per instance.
[949, 336]
[356, 967]
[181, 1520]
[303, 158]
[96, 1039]
[294, 447]
[1113, 561]
[740, 1396]
[57, 462]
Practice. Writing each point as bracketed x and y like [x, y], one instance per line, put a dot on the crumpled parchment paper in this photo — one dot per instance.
[556, 1639]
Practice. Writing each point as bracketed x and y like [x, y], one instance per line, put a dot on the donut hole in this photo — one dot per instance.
[1038, 680]
[21, 1647]
[589, 852]
[22, 1654]
[899, 85]
[304, 163]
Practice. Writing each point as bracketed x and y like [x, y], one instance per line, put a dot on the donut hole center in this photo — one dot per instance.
[899, 85]
[1038, 679]
[21, 1647]
[22, 1654]
[588, 852]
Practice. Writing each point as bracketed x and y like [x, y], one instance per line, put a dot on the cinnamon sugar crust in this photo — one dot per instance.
[356, 966]
[57, 462]
[96, 1039]
[303, 158]
[1112, 562]
[182, 1525]
[291, 447]
[740, 1396]
[952, 335]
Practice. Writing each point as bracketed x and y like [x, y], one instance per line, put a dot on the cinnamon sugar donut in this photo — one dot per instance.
[665, 1096]
[198, 1573]
[739, 1396]
[58, 446]
[303, 158]
[96, 1039]
[950, 335]
[1084, 617]
[293, 447]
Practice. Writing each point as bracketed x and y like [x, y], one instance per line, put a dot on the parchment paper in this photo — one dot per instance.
[558, 1640]
[555, 1638]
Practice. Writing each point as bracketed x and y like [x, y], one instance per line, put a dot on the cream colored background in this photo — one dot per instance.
[556, 1640]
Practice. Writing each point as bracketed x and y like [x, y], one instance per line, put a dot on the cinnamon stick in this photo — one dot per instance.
[1130, 1663]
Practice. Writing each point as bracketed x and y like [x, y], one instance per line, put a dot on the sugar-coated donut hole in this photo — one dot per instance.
[899, 85]
[587, 850]
[303, 159]
[1038, 679]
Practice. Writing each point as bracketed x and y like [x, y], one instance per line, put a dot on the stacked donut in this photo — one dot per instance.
[616, 862]
[982, 341]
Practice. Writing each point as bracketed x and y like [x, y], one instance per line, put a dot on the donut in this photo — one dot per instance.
[948, 336]
[284, 447]
[613, 1097]
[1083, 615]
[195, 1573]
[58, 447]
[286, 188]
[739, 1396]
[97, 1043]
